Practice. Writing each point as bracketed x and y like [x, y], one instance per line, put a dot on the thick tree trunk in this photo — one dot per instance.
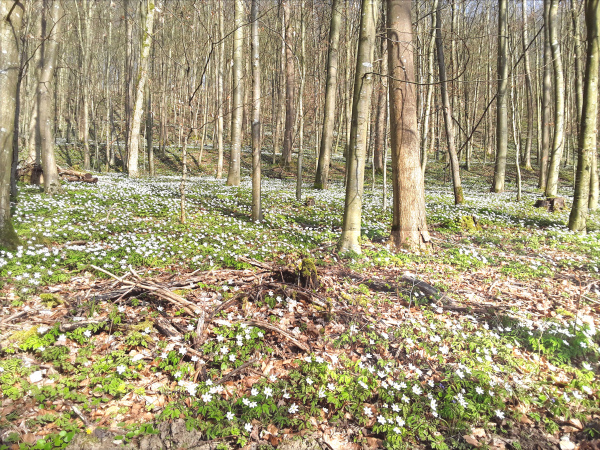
[528, 90]
[501, 101]
[233, 176]
[322, 175]
[587, 134]
[559, 104]
[409, 222]
[10, 33]
[454, 163]
[134, 136]
[256, 188]
[546, 99]
[50, 23]
[290, 88]
[363, 86]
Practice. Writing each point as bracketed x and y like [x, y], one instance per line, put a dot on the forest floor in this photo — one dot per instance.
[122, 327]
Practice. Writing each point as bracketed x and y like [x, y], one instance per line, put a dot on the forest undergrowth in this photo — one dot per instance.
[120, 326]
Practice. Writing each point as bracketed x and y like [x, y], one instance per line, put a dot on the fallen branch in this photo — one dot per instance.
[165, 294]
[268, 326]
[234, 372]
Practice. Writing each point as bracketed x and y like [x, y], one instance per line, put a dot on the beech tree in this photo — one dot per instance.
[501, 99]
[11, 20]
[409, 221]
[233, 176]
[589, 118]
[322, 175]
[134, 136]
[363, 87]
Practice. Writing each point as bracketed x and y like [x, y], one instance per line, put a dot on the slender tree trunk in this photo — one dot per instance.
[290, 88]
[107, 93]
[322, 175]
[10, 33]
[501, 107]
[587, 134]
[454, 163]
[546, 99]
[578, 61]
[430, 91]
[85, 42]
[134, 137]
[256, 188]
[559, 104]
[182, 215]
[301, 102]
[233, 176]
[515, 129]
[409, 222]
[528, 90]
[363, 86]
[220, 67]
[50, 21]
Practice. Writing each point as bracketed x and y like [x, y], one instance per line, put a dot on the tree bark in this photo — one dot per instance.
[51, 23]
[301, 102]
[10, 33]
[409, 222]
[134, 136]
[233, 176]
[322, 175]
[587, 133]
[454, 163]
[528, 90]
[363, 86]
[559, 104]
[220, 69]
[256, 188]
[501, 101]
[290, 88]
[546, 99]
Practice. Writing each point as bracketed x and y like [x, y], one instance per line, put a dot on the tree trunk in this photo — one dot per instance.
[409, 222]
[134, 136]
[107, 92]
[256, 188]
[430, 91]
[322, 175]
[10, 33]
[220, 66]
[290, 88]
[587, 134]
[363, 86]
[546, 99]
[454, 163]
[50, 23]
[301, 103]
[559, 104]
[528, 90]
[578, 61]
[233, 176]
[501, 106]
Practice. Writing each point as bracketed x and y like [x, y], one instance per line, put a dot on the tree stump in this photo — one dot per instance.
[307, 274]
[551, 203]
